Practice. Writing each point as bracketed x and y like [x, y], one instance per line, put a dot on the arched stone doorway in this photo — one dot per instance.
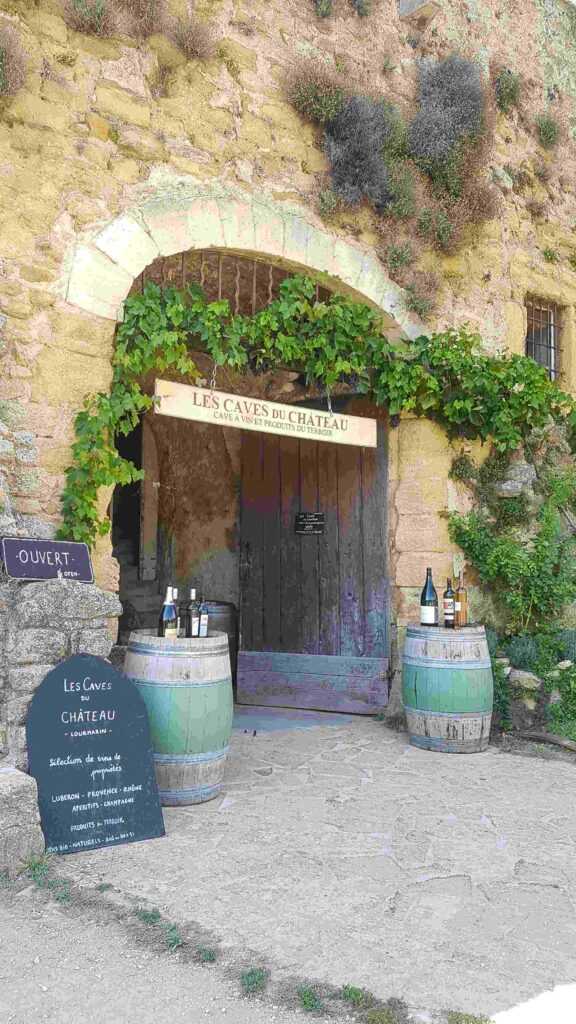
[204, 230]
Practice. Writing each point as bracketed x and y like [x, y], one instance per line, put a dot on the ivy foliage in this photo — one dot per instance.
[527, 562]
[444, 377]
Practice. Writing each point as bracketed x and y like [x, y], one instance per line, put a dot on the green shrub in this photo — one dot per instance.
[510, 512]
[463, 468]
[356, 996]
[92, 17]
[437, 226]
[403, 202]
[328, 202]
[398, 256]
[206, 954]
[309, 999]
[254, 980]
[507, 88]
[548, 131]
[562, 716]
[417, 303]
[315, 92]
[13, 62]
[551, 255]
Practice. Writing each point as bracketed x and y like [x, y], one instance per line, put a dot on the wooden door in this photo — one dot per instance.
[314, 609]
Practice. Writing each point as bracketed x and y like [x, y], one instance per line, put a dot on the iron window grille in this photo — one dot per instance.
[542, 335]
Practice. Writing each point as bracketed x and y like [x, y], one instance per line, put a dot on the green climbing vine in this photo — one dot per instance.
[445, 377]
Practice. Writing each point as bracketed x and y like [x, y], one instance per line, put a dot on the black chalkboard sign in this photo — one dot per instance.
[27, 559]
[89, 751]
[310, 523]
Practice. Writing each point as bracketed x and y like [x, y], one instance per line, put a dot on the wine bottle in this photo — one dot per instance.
[168, 621]
[175, 600]
[461, 604]
[193, 616]
[449, 605]
[429, 602]
[203, 618]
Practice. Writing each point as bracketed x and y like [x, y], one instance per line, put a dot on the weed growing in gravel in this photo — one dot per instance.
[104, 887]
[254, 980]
[309, 999]
[38, 869]
[356, 996]
[60, 890]
[206, 955]
[173, 937]
[148, 916]
[394, 1012]
[4, 879]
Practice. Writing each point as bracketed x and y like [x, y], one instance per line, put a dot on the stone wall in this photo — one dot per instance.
[40, 625]
[117, 152]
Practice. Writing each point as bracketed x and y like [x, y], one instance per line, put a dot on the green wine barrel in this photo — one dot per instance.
[447, 688]
[187, 689]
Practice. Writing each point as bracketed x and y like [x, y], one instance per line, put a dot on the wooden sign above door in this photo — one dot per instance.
[225, 410]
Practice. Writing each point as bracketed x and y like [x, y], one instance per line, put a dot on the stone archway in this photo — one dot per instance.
[185, 216]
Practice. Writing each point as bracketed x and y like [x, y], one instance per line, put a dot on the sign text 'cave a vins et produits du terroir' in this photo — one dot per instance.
[224, 410]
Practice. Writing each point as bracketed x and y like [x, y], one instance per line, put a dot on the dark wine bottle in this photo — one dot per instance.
[449, 605]
[168, 621]
[429, 602]
[193, 616]
[203, 618]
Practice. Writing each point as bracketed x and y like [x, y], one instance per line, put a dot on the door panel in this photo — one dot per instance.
[314, 609]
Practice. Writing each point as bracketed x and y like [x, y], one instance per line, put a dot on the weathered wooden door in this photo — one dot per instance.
[314, 609]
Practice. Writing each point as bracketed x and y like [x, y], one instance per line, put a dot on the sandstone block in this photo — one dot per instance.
[99, 127]
[121, 104]
[97, 284]
[31, 646]
[35, 111]
[425, 532]
[411, 567]
[141, 144]
[62, 378]
[177, 224]
[128, 244]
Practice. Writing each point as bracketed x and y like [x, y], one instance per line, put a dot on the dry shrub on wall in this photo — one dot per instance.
[146, 16]
[91, 17]
[193, 37]
[13, 62]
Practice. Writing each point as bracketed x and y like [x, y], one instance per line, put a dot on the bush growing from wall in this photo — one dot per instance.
[451, 113]
[193, 37]
[359, 140]
[548, 131]
[507, 85]
[13, 62]
[92, 17]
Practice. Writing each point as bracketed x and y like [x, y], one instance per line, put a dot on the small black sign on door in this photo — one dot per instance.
[310, 523]
[25, 558]
[89, 751]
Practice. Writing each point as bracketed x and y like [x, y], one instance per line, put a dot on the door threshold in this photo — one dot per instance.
[263, 718]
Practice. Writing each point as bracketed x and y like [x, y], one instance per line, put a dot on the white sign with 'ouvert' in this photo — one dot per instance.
[223, 410]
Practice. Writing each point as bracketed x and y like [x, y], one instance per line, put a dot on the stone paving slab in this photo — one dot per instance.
[343, 854]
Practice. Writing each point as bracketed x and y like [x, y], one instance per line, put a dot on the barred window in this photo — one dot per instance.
[542, 335]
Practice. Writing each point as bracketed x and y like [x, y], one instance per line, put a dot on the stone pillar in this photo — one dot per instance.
[20, 833]
[41, 624]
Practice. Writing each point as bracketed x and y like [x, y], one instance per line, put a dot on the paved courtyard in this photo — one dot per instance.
[340, 853]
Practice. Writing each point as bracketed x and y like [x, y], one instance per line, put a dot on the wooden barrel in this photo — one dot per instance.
[187, 688]
[447, 688]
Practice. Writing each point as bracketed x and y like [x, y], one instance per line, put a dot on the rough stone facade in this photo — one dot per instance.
[102, 171]
[40, 625]
[20, 833]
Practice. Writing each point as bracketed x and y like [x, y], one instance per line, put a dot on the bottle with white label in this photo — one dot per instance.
[193, 616]
[175, 600]
[429, 602]
[449, 605]
[168, 621]
[203, 618]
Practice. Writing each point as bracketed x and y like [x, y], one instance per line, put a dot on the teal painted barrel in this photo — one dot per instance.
[187, 689]
[447, 688]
